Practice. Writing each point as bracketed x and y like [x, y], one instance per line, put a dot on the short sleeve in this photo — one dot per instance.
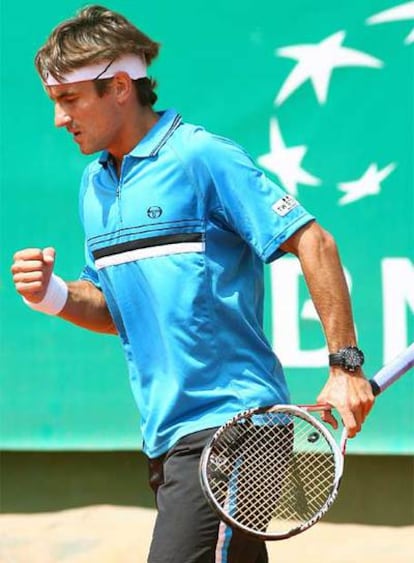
[258, 209]
[89, 272]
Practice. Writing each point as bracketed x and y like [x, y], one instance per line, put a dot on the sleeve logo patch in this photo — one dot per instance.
[284, 205]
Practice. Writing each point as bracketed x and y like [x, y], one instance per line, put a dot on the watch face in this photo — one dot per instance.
[353, 358]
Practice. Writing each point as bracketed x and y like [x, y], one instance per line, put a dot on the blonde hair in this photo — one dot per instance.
[95, 34]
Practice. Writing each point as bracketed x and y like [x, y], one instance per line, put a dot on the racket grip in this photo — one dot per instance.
[392, 371]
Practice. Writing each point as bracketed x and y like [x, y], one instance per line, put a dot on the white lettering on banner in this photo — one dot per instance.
[285, 276]
[288, 312]
[398, 296]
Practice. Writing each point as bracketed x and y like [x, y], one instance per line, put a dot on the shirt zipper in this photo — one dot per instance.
[118, 190]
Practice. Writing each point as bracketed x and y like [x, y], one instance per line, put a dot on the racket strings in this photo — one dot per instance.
[274, 472]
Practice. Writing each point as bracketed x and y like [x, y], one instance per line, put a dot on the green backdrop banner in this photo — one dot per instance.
[321, 95]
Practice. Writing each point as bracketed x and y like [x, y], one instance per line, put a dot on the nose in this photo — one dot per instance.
[61, 117]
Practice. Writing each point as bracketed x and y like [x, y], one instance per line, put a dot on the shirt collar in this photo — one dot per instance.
[156, 137]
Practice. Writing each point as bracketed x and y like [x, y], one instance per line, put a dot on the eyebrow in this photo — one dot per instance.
[64, 94]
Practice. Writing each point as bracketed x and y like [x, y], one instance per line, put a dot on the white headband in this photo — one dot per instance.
[134, 65]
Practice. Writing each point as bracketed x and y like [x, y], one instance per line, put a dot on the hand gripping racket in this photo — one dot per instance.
[273, 472]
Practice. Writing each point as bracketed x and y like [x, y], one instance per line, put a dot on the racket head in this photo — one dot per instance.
[271, 472]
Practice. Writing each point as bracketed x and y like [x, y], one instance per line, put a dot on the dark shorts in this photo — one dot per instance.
[186, 529]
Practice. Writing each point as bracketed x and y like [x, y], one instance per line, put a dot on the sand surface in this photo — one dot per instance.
[111, 534]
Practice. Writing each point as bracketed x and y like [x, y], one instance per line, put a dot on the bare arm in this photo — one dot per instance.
[85, 305]
[349, 393]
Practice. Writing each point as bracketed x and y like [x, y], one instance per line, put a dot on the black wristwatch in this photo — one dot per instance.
[349, 358]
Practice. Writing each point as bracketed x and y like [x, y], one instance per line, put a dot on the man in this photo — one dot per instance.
[178, 223]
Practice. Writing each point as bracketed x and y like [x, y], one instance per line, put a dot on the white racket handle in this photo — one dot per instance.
[393, 370]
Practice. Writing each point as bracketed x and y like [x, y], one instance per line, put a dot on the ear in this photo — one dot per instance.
[122, 86]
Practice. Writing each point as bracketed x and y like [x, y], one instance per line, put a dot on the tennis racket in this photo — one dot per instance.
[273, 472]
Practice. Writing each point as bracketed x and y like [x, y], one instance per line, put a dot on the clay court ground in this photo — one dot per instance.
[111, 534]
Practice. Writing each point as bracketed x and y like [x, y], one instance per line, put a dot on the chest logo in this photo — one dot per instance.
[154, 212]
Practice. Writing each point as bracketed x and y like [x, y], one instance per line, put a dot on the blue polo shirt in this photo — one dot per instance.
[177, 245]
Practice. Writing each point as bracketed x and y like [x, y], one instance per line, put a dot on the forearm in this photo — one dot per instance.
[326, 282]
[349, 392]
[86, 307]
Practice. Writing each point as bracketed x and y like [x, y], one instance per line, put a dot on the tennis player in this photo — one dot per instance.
[178, 224]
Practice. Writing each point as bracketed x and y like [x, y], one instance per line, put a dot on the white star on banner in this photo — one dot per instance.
[316, 63]
[368, 184]
[285, 162]
[398, 13]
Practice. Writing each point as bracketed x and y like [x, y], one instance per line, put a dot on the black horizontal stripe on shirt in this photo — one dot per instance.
[145, 228]
[148, 242]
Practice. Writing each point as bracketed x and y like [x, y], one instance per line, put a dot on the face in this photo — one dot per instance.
[93, 120]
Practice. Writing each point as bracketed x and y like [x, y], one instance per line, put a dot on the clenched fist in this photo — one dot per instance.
[32, 269]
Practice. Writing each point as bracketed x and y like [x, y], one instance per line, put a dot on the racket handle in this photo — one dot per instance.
[393, 371]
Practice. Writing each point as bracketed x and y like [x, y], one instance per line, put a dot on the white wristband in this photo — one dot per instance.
[54, 299]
